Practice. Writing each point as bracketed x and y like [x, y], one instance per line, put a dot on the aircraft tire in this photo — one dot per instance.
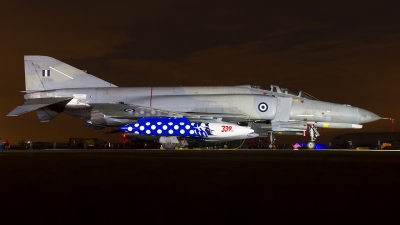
[310, 145]
[169, 146]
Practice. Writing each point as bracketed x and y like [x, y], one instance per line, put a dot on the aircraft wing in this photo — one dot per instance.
[125, 111]
[37, 103]
[223, 116]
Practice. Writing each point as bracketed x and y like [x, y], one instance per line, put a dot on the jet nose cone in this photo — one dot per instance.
[365, 116]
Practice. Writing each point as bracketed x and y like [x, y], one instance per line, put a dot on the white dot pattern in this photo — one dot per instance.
[180, 127]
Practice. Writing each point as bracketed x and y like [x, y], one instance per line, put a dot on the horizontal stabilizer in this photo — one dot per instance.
[46, 114]
[37, 103]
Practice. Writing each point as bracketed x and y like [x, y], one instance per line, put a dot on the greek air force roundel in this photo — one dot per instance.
[129, 110]
[263, 107]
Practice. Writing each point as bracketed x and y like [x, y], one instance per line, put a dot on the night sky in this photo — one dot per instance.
[338, 51]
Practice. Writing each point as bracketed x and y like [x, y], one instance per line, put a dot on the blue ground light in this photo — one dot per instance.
[318, 146]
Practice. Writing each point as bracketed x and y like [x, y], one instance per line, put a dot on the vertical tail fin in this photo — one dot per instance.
[46, 73]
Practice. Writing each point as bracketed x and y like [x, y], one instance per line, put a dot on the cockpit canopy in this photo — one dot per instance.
[282, 90]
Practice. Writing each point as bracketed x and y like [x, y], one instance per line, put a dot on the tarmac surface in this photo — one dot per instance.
[199, 187]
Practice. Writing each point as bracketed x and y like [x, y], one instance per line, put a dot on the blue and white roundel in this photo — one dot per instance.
[129, 110]
[263, 107]
[181, 127]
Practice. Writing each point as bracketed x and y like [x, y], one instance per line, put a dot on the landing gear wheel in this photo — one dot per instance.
[169, 146]
[310, 145]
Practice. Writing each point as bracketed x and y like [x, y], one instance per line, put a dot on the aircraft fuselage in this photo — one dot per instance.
[215, 100]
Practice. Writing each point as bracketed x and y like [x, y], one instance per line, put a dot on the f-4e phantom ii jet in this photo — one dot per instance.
[171, 113]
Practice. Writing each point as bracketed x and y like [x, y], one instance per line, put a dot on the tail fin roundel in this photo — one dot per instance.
[46, 73]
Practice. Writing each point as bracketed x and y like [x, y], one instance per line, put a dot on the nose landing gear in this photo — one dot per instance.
[313, 135]
[271, 140]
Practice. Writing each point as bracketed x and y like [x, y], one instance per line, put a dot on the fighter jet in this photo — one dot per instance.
[209, 113]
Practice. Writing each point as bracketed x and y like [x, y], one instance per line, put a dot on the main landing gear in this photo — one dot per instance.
[169, 143]
[310, 145]
[313, 135]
